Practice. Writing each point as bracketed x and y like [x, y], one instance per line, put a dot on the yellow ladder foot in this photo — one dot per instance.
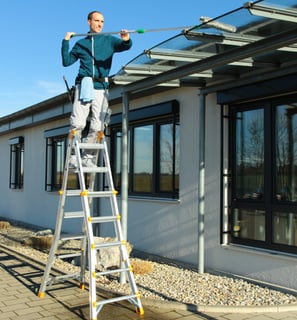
[140, 311]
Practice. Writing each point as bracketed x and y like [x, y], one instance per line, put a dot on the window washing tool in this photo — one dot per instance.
[205, 23]
[140, 31]
[212, 23]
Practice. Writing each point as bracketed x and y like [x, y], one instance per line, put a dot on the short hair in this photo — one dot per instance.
[91, 14]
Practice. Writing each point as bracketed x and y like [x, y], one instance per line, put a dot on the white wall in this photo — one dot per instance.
[167, 228]
[32, 204]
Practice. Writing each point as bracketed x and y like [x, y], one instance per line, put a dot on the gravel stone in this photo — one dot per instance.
[168, 282]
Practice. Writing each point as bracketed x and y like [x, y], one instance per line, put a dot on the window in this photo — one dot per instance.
[16, 177]
[249, 154]
[263, 202]
[286, 153]
[56, 147]
[153, 150]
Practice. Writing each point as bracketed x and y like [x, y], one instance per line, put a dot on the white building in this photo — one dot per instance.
[212, 140]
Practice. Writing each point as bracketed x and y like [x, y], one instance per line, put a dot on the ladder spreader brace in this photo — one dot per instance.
[88, 246]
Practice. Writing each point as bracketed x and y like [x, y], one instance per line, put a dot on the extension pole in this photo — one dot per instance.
[140, 31]
[206, 22]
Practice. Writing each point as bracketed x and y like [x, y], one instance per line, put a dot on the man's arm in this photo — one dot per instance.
[68, 58]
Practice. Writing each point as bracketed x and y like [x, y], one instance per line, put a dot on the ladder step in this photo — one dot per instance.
[95, 170]
[90, 146]
[103, 273]
[101, 194]
[69, 255]
[65, 237]
[116, 299]
[90, 170]
[108, 244]
[104, 219]
[63, 278]
[75, 193]
[74, 214]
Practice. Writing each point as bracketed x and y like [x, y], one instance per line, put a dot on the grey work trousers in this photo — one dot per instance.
[80, 113]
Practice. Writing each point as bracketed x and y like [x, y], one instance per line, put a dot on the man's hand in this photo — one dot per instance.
[68, 35]
[124, 35]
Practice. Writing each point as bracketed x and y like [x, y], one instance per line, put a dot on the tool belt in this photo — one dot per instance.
[103, 79]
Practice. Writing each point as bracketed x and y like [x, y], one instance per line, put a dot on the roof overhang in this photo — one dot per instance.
[255, 39]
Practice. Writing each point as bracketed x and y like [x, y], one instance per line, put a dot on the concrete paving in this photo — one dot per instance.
[20, 279]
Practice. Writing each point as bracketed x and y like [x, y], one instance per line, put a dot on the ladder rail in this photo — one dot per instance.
[58, 226]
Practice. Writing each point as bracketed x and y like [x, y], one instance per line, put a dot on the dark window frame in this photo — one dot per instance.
[16, 175]
[53, 176]
[55, 159]
[269, 204]
[55, 152]
[155, 116]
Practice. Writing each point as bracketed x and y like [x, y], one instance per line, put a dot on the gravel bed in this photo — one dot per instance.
[168, 282]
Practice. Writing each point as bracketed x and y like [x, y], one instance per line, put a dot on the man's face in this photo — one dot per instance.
[96, 22]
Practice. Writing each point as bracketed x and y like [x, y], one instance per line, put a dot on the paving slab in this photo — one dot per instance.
[20, 280]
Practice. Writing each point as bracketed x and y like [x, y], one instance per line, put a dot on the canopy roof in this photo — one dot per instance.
[259, 37]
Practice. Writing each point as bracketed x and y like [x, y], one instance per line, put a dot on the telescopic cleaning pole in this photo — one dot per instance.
[206, 22]
[140, 31]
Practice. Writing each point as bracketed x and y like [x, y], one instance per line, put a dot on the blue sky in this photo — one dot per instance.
[32, 31]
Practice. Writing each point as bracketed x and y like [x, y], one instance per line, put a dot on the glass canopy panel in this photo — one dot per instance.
[215, 36]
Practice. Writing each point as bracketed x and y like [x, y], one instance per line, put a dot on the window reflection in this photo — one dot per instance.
[286, 152]
[285, 228]
[249, 224]
[250, 154]
[143, 159]
[58, 161]
[169, 163]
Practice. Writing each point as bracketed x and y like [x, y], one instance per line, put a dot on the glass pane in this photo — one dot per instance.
[169, 158]
[21, 165]
[167, 153]
[143, 159]
[17, 166]
[12, 167]
[118, 160]
[177, 156]
[249, 224]
[59, 162]
[286, 153]
[250, 154]
[285, 228]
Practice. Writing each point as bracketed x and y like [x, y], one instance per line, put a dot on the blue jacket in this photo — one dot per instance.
[104, 46]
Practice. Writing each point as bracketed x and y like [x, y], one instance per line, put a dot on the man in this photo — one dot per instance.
[95, 54]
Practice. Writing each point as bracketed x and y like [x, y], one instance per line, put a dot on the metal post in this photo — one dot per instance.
[201, 190]
[124, 171]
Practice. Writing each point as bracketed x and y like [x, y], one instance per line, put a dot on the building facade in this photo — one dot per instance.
[211, 150]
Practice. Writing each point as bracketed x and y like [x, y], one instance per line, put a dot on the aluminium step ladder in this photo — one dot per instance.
[88, 247]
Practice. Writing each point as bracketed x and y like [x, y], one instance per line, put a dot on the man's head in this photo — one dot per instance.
[95, 21]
